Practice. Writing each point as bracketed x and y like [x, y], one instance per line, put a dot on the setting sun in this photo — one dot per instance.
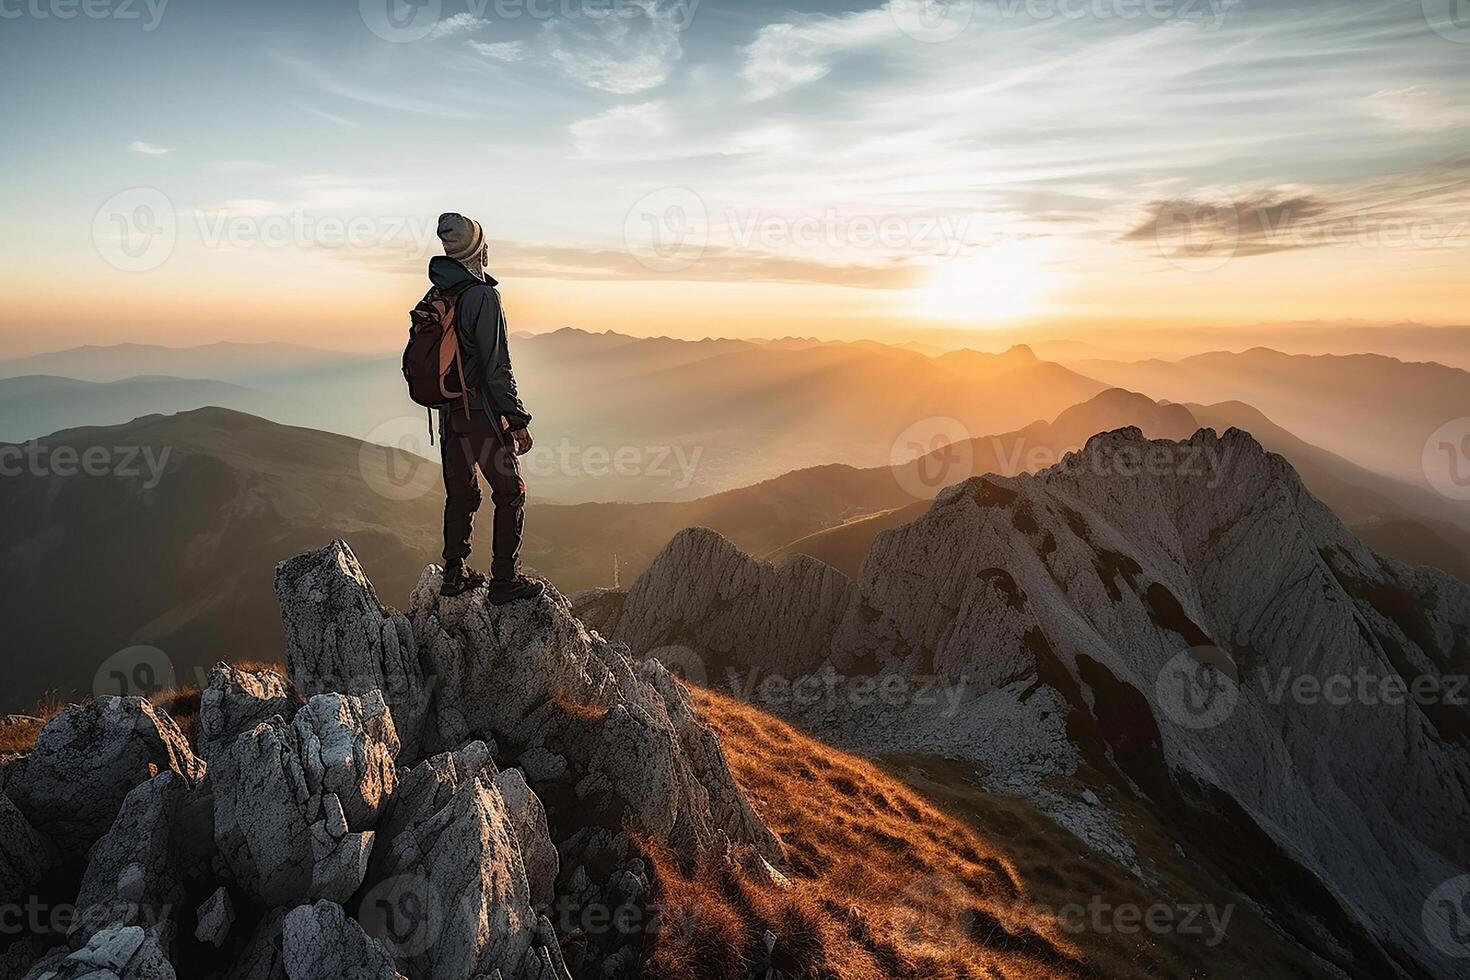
[1003, 283]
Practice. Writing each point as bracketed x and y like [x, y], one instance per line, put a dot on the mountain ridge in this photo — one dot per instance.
[1075, 602]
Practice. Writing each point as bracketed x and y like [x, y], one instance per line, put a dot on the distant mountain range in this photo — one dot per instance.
[36, 405]
[692, 418]
[622, 418]
[1374, 410]
[234, 486]
[834, 512]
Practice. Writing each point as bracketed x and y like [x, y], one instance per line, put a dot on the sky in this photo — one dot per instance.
[187, 171]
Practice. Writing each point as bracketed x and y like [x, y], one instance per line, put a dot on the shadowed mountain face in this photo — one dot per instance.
[1119, 637]
[182, 519]
[1377, 411]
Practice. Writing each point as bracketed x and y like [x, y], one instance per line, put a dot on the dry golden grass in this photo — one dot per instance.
[883, 885]
[20, 735]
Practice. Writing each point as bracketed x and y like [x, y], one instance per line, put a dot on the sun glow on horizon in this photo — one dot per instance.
[1002, 284]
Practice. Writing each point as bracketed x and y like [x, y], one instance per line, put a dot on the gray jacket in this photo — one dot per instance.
[479, 320]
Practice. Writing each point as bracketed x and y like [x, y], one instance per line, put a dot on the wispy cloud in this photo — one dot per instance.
[1422, 209]
[623, 132]
[328, 82]
[150, 149]
[786, 55]
[461, 23]
[531, 260]
[332, 117]
[629, 49]
[507, 51]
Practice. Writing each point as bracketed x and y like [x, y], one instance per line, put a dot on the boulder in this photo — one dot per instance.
[215, 919]
[617, 746]
[235, 701]
[133, 876]
[528, 817]
[116, 953]
[85, 762]
[319, 942]
[454, 902]
[262, 958]
[25, 855]
[295, 804]
[339, 638]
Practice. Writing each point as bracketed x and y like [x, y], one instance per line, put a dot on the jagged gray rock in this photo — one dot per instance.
[321, 943]
[117, 953]
[262, 957]
[85, 762]
[25, 854]
[236, 700]
[340, 639]
[133, 877]
[465, 864]
[1062, 605]
[295, 804]
[530, 675]
[737, 611]
[528, 817]
[215, 918]
[604, 747]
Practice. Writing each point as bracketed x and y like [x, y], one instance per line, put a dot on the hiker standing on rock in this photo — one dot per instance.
[457, 361]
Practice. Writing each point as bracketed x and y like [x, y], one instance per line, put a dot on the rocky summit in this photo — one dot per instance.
[1177, 628]
[454, 791]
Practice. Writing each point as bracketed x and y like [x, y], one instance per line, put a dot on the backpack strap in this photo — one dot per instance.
[449, 348]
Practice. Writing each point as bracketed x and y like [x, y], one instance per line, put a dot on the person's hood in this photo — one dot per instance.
[446, 273]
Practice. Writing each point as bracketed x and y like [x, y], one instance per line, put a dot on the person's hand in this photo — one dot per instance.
[523, 441]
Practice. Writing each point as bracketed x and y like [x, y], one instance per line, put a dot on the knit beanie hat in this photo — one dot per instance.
[462, 237]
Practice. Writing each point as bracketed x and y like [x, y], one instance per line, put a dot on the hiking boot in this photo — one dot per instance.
[459, 579]
[504, 590]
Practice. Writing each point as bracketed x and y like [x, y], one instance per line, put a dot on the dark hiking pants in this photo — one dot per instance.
[471, 443]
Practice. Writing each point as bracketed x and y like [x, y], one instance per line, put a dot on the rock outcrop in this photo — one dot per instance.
[295, 804]
[1084, 617]
[438, 795]
[552, 748]
[86, 761]
[237, 700]
[737, 611]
